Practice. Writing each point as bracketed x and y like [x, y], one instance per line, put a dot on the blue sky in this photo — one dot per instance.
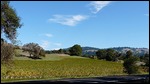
[101, 24]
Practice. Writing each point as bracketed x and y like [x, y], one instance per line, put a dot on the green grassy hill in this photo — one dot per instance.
[58, 66]
[50, 57]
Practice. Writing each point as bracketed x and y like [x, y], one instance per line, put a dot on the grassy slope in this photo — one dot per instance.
[50, 57]
[56, 66]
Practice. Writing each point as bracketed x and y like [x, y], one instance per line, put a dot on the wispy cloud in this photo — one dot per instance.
[49, 35]
[69, 20]
[45, 44]
[98, 5]
[55, 48]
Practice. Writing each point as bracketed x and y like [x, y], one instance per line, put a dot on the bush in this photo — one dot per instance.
[110, 56]
[128, 54]
[7, 52]
[130, 65]
[101, 54]
[75, 50]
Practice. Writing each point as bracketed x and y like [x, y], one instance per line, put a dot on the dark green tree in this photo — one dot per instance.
[128, 54]
[146, 59]
[76, 50]
[130, 66]
[110, 56]
[66, 51]
[117, 55]
[101, 54]
[10, 22]
[61, 51]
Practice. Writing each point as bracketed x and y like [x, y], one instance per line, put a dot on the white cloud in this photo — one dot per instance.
[98, 5]
[57, 44]
[55, 48]
[45, 44]
[49, 35]
[69, 20]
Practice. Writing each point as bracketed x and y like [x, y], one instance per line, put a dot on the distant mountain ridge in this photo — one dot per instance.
[136, 51]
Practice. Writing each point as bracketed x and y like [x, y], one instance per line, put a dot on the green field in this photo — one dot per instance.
[55, 66]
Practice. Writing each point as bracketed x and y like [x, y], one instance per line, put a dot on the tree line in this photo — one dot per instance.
[75, 50]
[130, 61]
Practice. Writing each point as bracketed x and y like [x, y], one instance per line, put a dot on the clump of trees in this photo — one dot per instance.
[75, 50]
[101, 54]
[130, 61]
[34, 50]
[111, 55]
[108, 54]
[60, 51]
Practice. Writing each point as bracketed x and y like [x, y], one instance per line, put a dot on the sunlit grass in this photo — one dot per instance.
[60, 67]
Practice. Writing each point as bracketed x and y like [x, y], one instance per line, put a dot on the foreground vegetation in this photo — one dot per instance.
[65, 67]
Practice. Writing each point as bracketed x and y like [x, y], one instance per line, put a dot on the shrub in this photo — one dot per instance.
[130, 65]
[101, 54]
[7, 52]
[110, 56]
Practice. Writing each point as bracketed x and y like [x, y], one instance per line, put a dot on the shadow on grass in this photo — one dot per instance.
[35, 57]
[32, 57]
[21, 55]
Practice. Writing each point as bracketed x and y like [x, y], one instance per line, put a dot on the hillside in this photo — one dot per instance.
[136, 51]
[48, 57]
[55, 66]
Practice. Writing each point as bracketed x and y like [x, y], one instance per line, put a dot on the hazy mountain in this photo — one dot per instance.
[136, 51]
